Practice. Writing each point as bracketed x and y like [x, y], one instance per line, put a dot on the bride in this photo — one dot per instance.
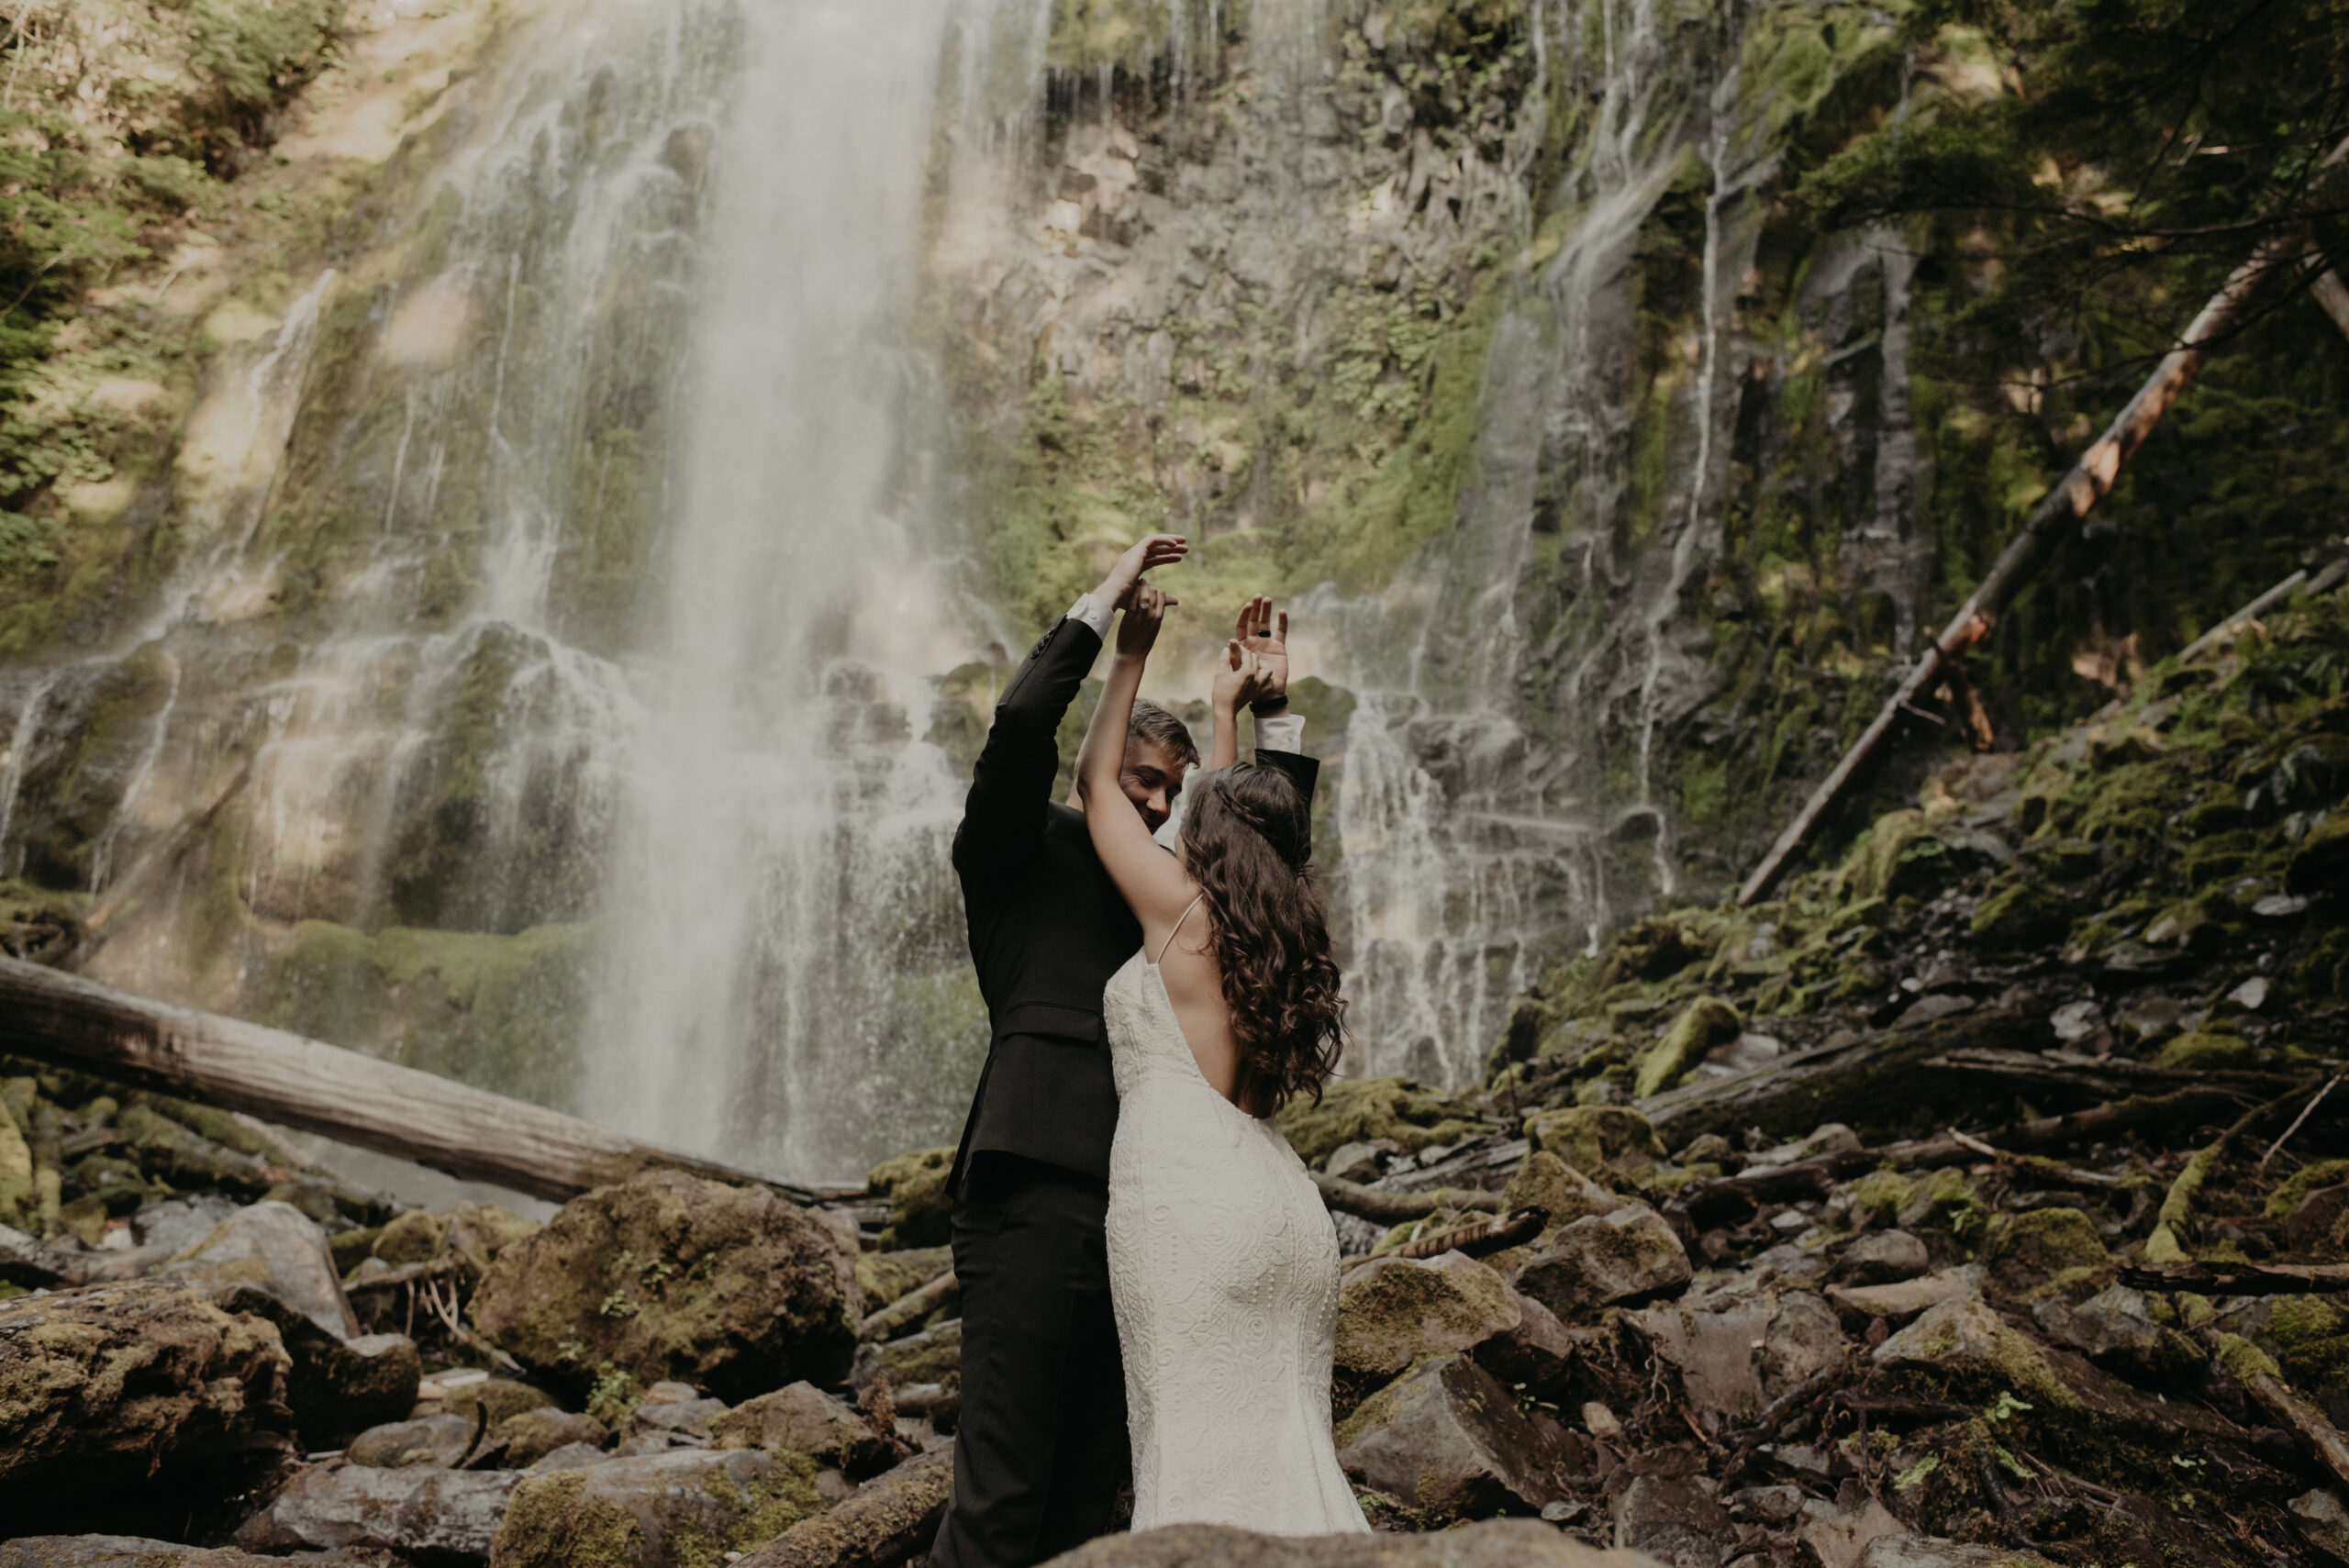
[1223, 1264]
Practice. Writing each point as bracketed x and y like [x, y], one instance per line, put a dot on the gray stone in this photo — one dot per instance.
[436, 1441]
[275, 1249]
[2115, 1328]
[570, 1456]
[1674, 1522]
[419, 1511]
[1446, 1437]
[344, 1387]
[1842, 1541]
[804, 1419]
[1882, 1257]
[1736, 1357]
[690, 1416]
[1492, 1543]
[1601, 1261]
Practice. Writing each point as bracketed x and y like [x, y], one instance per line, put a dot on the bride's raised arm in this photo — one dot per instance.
[1152, 882]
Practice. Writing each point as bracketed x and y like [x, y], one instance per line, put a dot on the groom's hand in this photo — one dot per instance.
[1147, 554]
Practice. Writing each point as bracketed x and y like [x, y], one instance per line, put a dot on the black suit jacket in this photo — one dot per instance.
[1048, 926]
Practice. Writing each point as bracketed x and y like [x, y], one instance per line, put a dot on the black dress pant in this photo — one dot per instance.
[1040, 1450]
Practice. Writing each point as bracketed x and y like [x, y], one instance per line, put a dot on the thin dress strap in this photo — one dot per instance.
[1178, 927]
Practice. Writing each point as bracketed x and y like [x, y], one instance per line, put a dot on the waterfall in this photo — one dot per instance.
[1476, 817]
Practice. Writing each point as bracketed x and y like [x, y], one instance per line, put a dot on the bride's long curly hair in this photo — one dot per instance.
[1245, 838]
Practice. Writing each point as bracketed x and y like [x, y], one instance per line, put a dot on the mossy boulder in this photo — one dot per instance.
[1612, 1259]
[412, 1238]
[921, 1210]
[883, 1278]
[1549, 1183]
[530, 1436]
[688, 1506]
[1362, 1110]
[2312, 1338]
[803, 1418]
[1395, 1311]
[1598, 1140]
[2048, 1251]
[2322, 862]
[1706, 1023]
[115, 1396]
[2018, 914]
[502, 1396]
[737, 1290]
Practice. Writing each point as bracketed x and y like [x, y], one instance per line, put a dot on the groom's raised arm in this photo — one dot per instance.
[1013, 781]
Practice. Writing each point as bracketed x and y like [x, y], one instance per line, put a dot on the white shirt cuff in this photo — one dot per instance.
[1280, 732]
[1093, 613]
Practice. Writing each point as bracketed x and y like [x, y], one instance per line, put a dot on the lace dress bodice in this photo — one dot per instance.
[1223, 1270]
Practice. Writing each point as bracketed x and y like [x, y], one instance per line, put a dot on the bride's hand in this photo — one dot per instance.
[1145, 555]
[1138, 628]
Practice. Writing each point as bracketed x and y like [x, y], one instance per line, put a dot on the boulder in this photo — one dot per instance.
[525, 1439]
[275, 1251]
[2115, 1328]
[1600, 1261]
[804, 1419]
[1706, 1023]
[1735, 1357]
[2048, 1251]
[883, 1278]
[1395, 1311]
[1674, 1522]
[503, 1397]
[920, 1208]
[1882, 1257]
[930, 1356]
[734, 1289]
[890, 1518]
[420, 1511]
[130, 1402]
[2322, 862]
[435, 1441]
[1906, 1298]
[1536, 1356]
[121, 1551]
[1598, 1140]
[341, 1387]
[691, 1506]
[1492, 1543]
[1448, 1438]
[1549, 1183]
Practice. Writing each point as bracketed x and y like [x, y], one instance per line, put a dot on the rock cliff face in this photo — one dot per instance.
[560, 495]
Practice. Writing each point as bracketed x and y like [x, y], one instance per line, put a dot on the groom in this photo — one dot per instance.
[1040, 1450]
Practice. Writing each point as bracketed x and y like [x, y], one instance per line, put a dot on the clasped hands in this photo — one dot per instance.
[1254, 668]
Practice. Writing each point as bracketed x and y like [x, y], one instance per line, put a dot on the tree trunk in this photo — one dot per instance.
[467, 1132]
[2088, 482]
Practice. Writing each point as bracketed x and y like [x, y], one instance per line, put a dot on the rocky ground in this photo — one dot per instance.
[1977, 1201]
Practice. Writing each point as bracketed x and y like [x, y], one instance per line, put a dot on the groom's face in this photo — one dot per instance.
[1151, 778]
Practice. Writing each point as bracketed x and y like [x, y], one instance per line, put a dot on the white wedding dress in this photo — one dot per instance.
[1223, 1270]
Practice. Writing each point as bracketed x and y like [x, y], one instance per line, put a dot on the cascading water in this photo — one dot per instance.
[783, 979]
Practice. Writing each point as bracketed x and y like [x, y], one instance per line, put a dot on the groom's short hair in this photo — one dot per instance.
[1154, 724]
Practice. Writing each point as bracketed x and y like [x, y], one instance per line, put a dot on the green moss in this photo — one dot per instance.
[1352, 1110]
[920, 1208]
[1598, 1141]
[1884, 1191]
[2205, 1051]
[2302, 1182]
[1707, 1022]
[2018, 914]
[414, 1237]
[2048, 1251]
[2312, 1337]
[548, 1524]
[2244, 1360]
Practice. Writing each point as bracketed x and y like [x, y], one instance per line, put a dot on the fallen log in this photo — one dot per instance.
[910, 1308]
[1477, 1241]
[2240, 1279]
[2073, 497]
[2318, 1436]
[890, 1517]
[64, 1020]
[2325, 578]
[1394, 1207]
